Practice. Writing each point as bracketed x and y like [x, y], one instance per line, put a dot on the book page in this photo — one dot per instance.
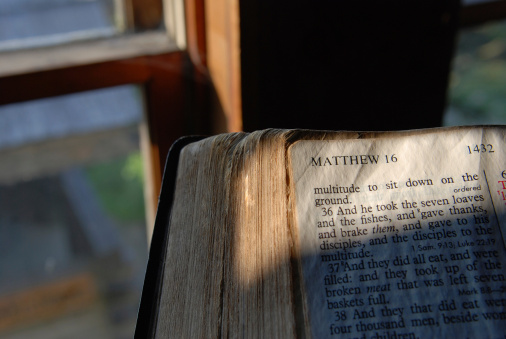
[403, 237]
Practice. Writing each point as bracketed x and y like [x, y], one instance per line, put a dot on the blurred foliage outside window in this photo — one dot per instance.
[478, 81]
[119, 186]
[72, 228]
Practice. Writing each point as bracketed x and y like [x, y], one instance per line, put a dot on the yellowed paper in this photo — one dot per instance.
[401, 237]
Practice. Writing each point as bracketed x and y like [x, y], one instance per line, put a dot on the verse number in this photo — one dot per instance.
[327, 211]
[481, 148]
[340, 315]
[333, 268]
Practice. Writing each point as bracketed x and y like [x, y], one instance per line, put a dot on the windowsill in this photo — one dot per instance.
[82, 53]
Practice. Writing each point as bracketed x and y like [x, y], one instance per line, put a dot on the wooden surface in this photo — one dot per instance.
[36, 85]
[197, 53]
[196, 33]
[46, 302]
[144, 14]
[223, 60]
[164, 81]
[83, 53]
[165, 103]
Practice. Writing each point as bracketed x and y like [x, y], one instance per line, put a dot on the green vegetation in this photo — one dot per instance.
[119, 186]
[478, 84]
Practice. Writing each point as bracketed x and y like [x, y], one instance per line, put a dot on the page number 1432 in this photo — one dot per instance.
[481, 148]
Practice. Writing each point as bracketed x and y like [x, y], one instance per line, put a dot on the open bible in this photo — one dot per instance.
[294, 233]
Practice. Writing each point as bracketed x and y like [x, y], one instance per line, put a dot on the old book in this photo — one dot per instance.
[293, 233]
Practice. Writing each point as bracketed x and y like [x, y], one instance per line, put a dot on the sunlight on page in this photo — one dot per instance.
[259, 252]
[400, 237]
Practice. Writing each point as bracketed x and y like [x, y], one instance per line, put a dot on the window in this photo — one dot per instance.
[72, 222]
[35, 23]
[72, 265]
[478, 80]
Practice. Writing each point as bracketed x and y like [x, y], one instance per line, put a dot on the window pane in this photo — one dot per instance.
[31, 23]
[478, 80]
[72, 231]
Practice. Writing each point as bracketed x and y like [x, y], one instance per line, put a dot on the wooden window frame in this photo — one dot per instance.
[153, 58]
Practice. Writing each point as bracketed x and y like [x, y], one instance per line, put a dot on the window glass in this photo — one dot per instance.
[478, 79]
[72, 231]
[33, 23]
